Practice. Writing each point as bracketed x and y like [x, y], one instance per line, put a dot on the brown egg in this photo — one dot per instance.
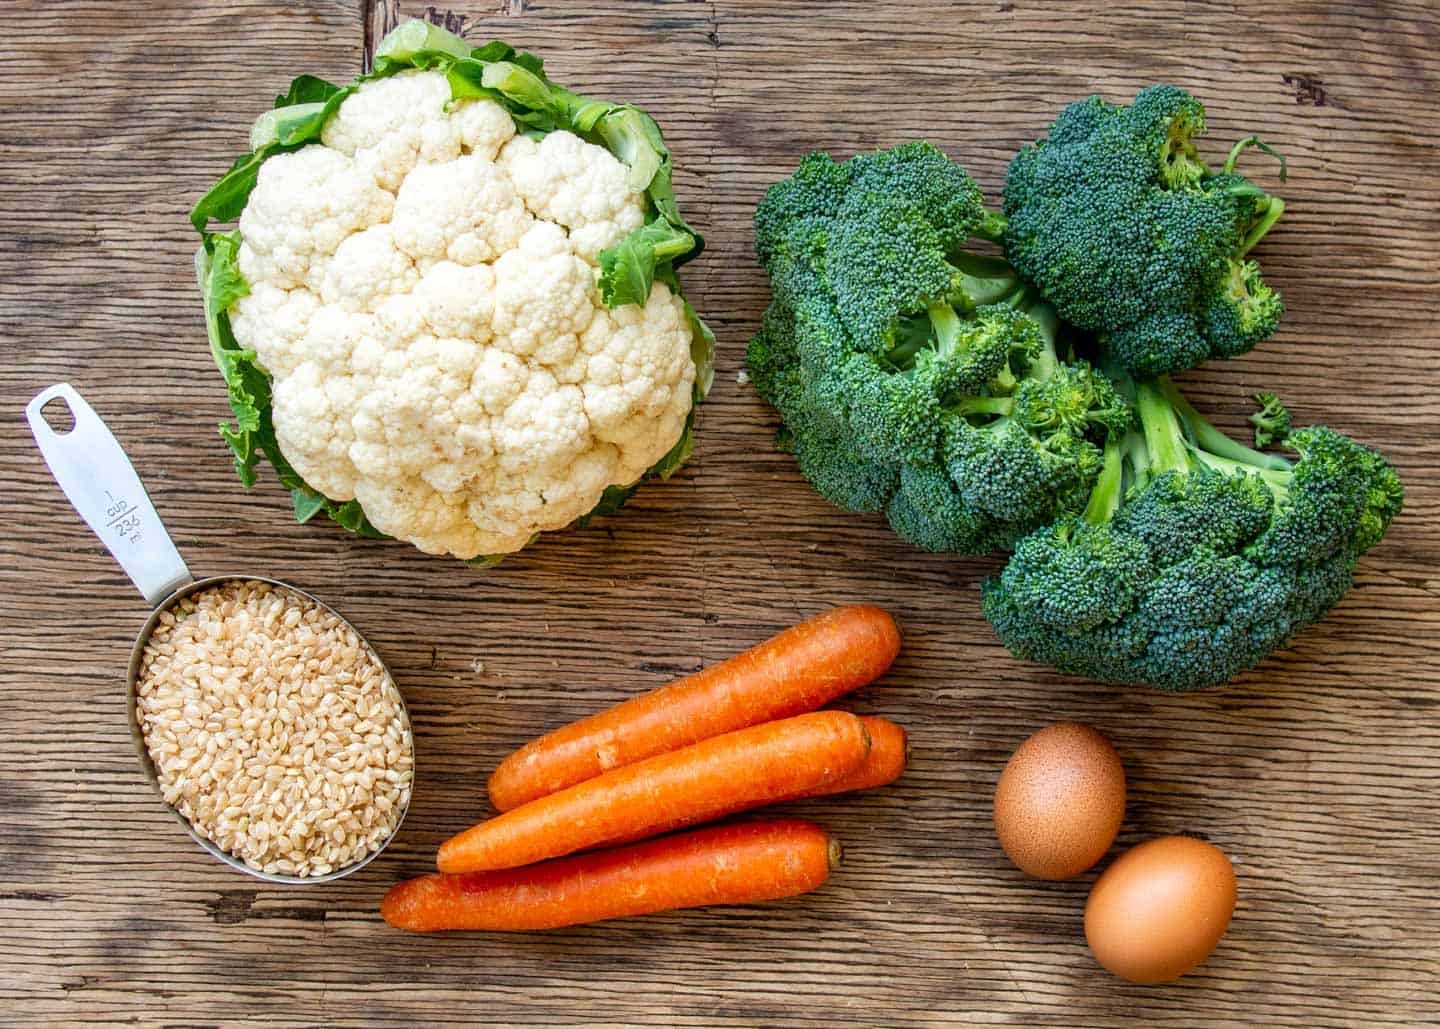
[1060, 800]
[1160, 908]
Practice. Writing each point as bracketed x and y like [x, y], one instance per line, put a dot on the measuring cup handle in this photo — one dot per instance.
[93, 471]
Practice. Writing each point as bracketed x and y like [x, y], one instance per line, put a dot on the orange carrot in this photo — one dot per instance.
[889, 750]
[729, 864]
[799, 670]
[764, 764]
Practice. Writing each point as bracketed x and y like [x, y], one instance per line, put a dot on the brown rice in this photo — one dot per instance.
[274, 729]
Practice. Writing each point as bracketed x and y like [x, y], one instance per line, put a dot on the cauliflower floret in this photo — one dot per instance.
[367, 270]
[437, 523]
[463, 210]
[442, 354]
[312, 424]
[499, 377]
[544, 296]
[449, 300]
[577, 184]
[390, 125]
[639, 377]
[410, 418]
[544, 428]
[457, 301]
[272, 321]
[315, 399]
[334, 340]
[304, 205]
[543, 502]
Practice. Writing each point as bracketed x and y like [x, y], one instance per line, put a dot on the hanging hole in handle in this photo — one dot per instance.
[58, 416]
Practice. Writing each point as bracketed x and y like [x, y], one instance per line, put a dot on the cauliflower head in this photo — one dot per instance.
[412, 311]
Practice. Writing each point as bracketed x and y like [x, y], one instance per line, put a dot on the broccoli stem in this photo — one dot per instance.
[1273, 207]
[1245, 144]
[1109, 488]
[1177, 438]
[948, 330]
[1273, 210]
[1211, 439]
[984, 405]
[1169, 450]
[1136, 466]
[984, 280]
[1047, 362]
[1278, 481]
[938, 328]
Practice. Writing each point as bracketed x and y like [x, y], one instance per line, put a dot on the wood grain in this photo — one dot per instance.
[1317, 773]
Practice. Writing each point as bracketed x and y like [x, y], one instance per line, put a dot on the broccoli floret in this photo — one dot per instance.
[1195, 556]
[883, 260]
[928, 511]
[1272, 421]
[913, 377]
[1127, 232]
[816, 189]
[949, 200]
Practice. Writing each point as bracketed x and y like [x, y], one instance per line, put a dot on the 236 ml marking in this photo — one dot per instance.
[124, 518]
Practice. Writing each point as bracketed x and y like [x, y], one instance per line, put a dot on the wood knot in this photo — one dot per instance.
[231, 907]
[1306, 88]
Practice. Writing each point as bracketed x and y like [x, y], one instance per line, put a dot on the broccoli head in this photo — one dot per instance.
[1125, 230]
[912, 377]
[1195, 556]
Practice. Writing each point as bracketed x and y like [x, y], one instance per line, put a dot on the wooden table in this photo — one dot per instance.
[1317, 773]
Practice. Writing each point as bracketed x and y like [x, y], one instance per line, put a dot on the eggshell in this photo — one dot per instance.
[1060, 801]
[1160, 908]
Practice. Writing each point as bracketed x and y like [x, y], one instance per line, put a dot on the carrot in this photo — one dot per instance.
[799, 670]
[889, 750]
[730, 864]
[889, 753]
[749, 768]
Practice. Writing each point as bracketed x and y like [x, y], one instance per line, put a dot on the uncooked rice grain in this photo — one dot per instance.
[274, 729]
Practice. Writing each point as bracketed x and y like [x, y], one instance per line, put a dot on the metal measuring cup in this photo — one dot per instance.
[94, 473]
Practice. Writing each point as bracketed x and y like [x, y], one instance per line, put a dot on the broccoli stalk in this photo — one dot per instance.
[1264, 209]
[1177, 435]
[1195, 556]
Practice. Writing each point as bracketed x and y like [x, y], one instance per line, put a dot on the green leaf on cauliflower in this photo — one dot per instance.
[248, 389]
[306, 89]
[516, 81]
[298, 118]
[415, 44]
[294, 125]
[627, 270]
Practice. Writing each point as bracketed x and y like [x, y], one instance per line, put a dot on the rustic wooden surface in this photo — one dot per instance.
[1317, 774]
